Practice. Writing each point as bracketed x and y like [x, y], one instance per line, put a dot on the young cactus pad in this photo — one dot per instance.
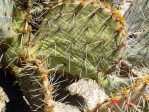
[81, 38]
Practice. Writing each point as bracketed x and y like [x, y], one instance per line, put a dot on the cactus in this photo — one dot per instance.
[139, 49]
[5, 14]
[137, 22]
[75, 45]
[134, 97]
[137, 16]
[79, 38]
[14, 57]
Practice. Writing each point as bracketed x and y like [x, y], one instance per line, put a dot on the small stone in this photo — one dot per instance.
[3, 100]
[90, 91]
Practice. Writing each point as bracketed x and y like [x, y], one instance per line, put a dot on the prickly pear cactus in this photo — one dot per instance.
[5, 14]
[139, 49]
[74, 45]
[27, 68]
[137, 16]
[137, 22]
[79, 38]
[133, 97]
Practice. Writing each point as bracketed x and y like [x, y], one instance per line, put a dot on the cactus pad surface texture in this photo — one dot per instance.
[81, 38]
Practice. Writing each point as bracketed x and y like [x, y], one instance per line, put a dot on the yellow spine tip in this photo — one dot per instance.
[107, 5]
[116, 13]
[82, 2]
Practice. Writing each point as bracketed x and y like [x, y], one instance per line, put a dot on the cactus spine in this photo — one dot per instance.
[75, 45]
[81, 38]
[137, 19]
[67, 42]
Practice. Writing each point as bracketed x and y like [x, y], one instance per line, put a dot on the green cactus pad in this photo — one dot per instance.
[79, 38]
[83, 36]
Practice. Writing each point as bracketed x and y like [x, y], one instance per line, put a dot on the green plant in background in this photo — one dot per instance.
[137, 18]
[80, 38]
[5, 14]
